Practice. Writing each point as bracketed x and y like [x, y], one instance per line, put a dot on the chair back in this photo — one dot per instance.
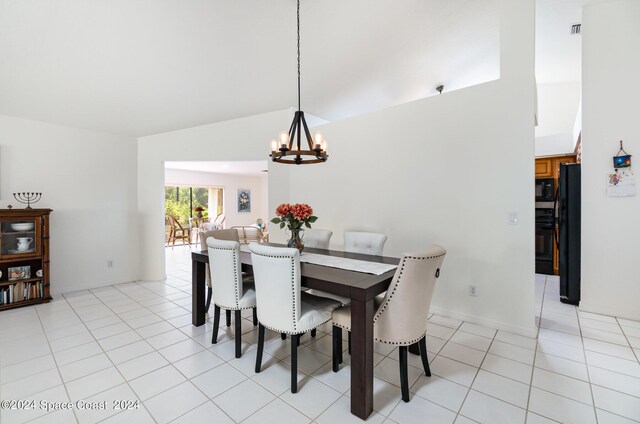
[362, 242]
[276, 271]
[251, 234]
[402, 316]
[226, 272]
[219, 221]
[229, 234]
[173, 222]
[317, 238]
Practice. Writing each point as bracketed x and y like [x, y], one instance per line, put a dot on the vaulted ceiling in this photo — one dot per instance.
[141, 67]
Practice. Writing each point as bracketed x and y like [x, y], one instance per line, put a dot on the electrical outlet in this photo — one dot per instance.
[109, 263]
[473, 290]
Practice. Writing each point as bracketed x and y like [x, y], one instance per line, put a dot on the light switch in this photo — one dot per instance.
[513, 218]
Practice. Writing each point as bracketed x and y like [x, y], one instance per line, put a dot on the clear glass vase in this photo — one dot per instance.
[296, 239]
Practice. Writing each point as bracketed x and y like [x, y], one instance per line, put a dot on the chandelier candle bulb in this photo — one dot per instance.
[318, 138]
[284, 139]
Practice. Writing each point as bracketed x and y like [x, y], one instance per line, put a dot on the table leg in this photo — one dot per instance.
[362, 358]
[197, 293]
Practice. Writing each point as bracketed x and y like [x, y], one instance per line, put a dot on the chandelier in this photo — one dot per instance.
[288, 148]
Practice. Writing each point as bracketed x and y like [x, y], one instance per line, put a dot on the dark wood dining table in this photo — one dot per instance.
[360, 287]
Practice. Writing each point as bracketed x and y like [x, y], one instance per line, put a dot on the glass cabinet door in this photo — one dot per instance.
[20, 237]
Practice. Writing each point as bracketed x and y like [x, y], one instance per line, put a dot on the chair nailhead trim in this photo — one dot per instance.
[293, 288]
[235, 276]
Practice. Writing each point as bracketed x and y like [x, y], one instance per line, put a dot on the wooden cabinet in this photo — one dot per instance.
[549, 167]
[24, 257]
[544, 168]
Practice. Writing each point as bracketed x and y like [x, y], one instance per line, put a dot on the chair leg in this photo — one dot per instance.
[313, 332]
[216, 324]
[238, 334]
[228, 318]
[255, 316]
[404, 379]
[208, 304]
[283, 336]
[260, 347]
[337, 347]
[295, 338]
[349, 343]
[423, 354]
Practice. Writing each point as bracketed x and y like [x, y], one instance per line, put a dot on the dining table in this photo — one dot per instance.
[360, 287]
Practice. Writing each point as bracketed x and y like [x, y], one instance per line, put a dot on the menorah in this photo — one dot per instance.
[27, 198]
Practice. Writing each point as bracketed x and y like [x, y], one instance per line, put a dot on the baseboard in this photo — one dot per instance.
[59, 290]
[613, 312]
[491, 323]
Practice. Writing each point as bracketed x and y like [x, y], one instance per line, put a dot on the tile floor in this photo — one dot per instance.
[135, 342]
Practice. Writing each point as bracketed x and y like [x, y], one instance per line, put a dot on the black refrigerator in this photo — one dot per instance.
[568, 213]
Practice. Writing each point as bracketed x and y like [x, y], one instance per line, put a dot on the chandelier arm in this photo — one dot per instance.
[292, 130]
[300, 119]
[308, 134]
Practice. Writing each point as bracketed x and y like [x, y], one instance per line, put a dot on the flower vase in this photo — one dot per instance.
[296, 240]
[199, 215]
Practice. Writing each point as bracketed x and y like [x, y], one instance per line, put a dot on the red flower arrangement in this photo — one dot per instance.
[198, 209]
[294, 216]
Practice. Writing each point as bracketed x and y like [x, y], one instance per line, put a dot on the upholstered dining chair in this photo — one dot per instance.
[363, 242]
[230, 290]
[317, 238]
[401, 315]
[220, 235]
[282, 306]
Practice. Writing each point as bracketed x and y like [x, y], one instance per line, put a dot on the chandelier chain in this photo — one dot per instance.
[298, 16]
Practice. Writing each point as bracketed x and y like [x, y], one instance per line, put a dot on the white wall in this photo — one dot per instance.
[610, 226]
[89, 180]
[446, 169]
[230, 183]
[243, 139]
[557, 108]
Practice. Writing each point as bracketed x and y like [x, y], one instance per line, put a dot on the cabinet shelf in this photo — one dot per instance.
[25, 280]
[19, 257]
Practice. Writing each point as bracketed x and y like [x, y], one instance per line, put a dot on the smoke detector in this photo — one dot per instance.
[576, 29]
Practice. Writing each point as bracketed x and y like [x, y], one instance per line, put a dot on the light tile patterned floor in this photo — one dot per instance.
[135, 342]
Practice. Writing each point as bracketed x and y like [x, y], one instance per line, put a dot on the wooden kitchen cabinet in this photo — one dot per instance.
[544, 168]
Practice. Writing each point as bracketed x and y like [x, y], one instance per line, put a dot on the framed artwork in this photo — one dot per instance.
[622, 161]
[19, 272]
[244, 200]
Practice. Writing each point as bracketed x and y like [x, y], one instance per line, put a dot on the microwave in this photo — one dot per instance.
[545, 189]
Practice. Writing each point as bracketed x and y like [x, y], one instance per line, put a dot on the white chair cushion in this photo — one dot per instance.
[314, 311]
[342, 315]
[343, 300]
[248, 298]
